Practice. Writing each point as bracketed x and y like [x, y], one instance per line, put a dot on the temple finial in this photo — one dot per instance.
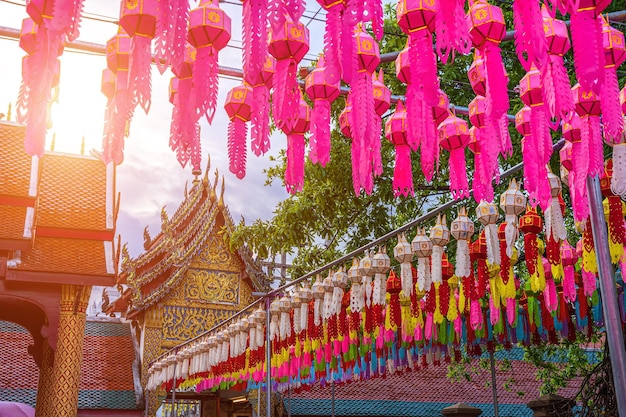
[9, 111]
[82, 146]
[53, 142]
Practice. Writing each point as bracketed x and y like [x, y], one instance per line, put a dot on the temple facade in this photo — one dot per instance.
[187, 281]
[57, 233]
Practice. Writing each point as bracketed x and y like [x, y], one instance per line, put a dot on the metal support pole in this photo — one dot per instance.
[494, 387]
[268, 358]
[610, 308]
[173, 413]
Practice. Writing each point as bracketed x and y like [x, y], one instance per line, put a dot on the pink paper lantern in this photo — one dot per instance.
[318, 87]
[403, 67]
[40, 10]
[477, 75]
[473, 145]
[118, 52]
[344, 120]
[530, 88]
[477, 111]
[28, 36]
[454, 137]
[382, 94]
[522, 121]
[396, 133]
[442, 109]
[138, 17]
[486, 23]
[414, 15]
[556, 34]
[185, 68]
[239, 109]
[565, 154]
[173, 89]
[209, 26]
[571, 129]
[367, 49]
[289, 41]
[108, 83]
[587, 103]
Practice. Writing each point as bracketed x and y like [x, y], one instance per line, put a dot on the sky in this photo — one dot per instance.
[150, 177]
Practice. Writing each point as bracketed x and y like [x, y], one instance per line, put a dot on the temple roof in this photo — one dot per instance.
[59, 214]
[169, 255]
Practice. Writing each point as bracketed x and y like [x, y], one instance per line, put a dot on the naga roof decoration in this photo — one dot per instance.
[169, 255]
[60, 214]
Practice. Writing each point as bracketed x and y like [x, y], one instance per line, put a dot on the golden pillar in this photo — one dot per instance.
[45, 386]
[69, 353]
[152, 334]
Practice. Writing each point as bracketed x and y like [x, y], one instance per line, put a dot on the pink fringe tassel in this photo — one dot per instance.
[612, 118]
[260, 137]
[294, 174]
[403, 172]
[588, 52]
[458, 176]
[140, 72]
[569, 286]
[320, 133]
[237, 135]
[206, 82]
[497, 82]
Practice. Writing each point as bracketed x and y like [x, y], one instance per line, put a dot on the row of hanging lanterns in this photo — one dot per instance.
[374, 319]
[275, 42]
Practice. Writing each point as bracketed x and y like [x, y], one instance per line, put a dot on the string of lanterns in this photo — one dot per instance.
[371, 320]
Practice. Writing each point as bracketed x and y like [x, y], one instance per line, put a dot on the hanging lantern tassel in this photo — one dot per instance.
[578, 171]
[618, 180]
[530, 224]
[239, 109]
[294, 173]
[396, 133]
[452, 30]
[323, 92]
[403, 254]
[487, 214]
[555, 227]
[614, 55]
[381, 264]
[529, 34]
[393, 287]
[454, 137]
[289, 43]
[589, 266]
[285, 320]
[556, 35]
[340, 281]
[254, 36]
[332, 37]
[366, 271]
[462, 228]
[260, 136]
[586, 31]
[209, 32]
[569, 259]
[139, 20]
[422, 247]
[487, 29]
[356, 294]
[440, 236]
[512, 202]
[506, 283]
[615, 209]
[317, 291]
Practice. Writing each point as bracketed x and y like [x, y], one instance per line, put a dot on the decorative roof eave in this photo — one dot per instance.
[60, 278]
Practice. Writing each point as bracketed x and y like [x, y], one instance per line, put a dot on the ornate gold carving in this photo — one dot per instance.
[45, 386]
[69, 353]
[184, 323]
[151, 350]
[202, 286]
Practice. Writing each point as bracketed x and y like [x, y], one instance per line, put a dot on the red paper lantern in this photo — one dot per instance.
[367, 50]
[317, 85]
[382, 94]
[239, 103]
[289, 41]
[571, 129]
